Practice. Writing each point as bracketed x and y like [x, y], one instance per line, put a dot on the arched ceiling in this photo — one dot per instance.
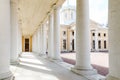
[32, 12]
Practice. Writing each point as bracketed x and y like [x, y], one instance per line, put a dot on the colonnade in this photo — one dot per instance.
[10, 40]
[53, 25]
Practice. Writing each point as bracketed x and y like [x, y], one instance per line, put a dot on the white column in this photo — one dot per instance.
[37, 42]
[5, 39]
[41, 40]
[83, 65]
[50, 37]
[75, 39]
[15, 32]
[20, 40]
[33, 43]
[56, 53]
[44, 39]
[114, 40]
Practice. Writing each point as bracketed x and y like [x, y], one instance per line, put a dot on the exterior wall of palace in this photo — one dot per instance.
[98, 33]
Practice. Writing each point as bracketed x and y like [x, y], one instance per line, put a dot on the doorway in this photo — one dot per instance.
[27, 45]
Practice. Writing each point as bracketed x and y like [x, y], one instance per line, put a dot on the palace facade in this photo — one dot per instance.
[98, 33]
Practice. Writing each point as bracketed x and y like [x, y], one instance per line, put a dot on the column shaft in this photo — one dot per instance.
[56, 54]
[83, 65]
[83, 35]
[44, 39]
[41, 40]
[5, 38]
[114, 40]
[50, 37]
[15, 35]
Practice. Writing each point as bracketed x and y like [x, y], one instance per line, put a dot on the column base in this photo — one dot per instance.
[55, 60]
[14, 62]
[84, 72]
[7, 76]
[59, 59]
[90, 74]
[20, 54]
[109, 77]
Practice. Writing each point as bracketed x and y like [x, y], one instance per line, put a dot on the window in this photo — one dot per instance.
[93, 44]
[64, 33]
[93, 34]
[105, 44]
[64, 44]
[99, 44]
[73, 33]
[98, 34]
[73, 45]
[104, 35]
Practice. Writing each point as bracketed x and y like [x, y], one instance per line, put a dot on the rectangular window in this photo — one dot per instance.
[99, 34]
[105, 45]
[99, 44]
[64, 44]
[73, 33]
[93, 44]
[93, 34]
[64, 32]
[104, 35]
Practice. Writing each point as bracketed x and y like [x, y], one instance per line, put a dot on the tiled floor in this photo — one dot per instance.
[32, 67]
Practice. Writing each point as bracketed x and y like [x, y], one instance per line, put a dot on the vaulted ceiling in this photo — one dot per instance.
[32, 12]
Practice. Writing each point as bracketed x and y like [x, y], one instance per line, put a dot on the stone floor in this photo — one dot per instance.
[33, 67]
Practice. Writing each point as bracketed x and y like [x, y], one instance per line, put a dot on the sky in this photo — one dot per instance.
[98, 10]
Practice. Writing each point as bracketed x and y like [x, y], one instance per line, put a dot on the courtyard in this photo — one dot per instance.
[99, 61]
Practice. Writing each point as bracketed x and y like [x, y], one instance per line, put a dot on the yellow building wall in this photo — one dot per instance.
[30, 43]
